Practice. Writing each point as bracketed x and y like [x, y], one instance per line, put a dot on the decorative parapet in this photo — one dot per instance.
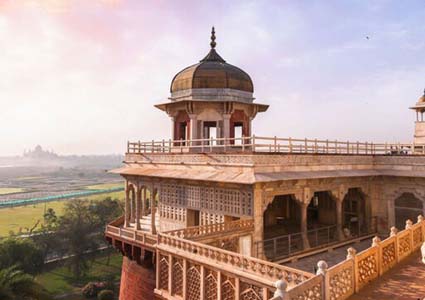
[349, 276]
[235, 263]
[207, 231]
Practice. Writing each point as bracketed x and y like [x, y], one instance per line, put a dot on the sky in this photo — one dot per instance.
[81, 77]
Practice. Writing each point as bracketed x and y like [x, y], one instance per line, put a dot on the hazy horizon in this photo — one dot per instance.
[81, 77]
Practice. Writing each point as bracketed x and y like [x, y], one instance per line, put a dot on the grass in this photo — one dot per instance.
[5, 191]
[105, 186]
[14, 218]
[60, 280]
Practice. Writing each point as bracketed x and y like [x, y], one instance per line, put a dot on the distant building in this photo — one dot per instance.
[208, 210]
[39, 153]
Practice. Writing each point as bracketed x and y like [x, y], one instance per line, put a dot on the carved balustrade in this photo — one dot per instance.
[349, 276]
[204, 231]
[311, 289]
[139, 237]
[232, 262]
[342, 280]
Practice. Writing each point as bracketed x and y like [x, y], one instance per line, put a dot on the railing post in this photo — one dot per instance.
[274, 248]
[315, 145]
[169, 145]
[305, 146]
[280, 293]
[348, 147]
[357, 144]
[290, 145]
[139, 146]
[128, 146]
[243, 143]
[336, 146]
[253, 142]
[153, 146]
[211, 143]
[275, 142]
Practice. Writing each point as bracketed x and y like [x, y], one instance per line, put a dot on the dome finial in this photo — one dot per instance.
[213, 43]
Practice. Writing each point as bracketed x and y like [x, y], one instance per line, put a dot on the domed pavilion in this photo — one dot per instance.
[212, 99]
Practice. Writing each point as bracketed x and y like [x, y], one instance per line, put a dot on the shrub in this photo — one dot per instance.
[91, 289]
[105, 295]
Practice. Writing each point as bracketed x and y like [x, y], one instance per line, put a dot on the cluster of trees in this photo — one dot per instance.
[75, 234]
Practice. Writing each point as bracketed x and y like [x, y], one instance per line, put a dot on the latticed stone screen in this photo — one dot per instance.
[163, 272]
[227, 288]
[250, 292]
[177, 273]
[193, 282]
[210, 285]
[222, 201]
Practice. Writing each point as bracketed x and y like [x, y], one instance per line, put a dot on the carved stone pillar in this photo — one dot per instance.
[339, 195]
[132, 206]
[306, 243]
[138, 203]
[127, 207]
[144, 213]
[258, 235]
[153, 210]
[193, 135]
[226, 126]
[338, 204]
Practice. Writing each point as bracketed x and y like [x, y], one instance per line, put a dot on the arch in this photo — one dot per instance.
[321, 210]
[354, 212]
[407, 206]
[282, 216]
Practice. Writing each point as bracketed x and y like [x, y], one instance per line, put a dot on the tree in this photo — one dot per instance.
[16, 285]
[75, 231]
[23, 253]
[105, 211]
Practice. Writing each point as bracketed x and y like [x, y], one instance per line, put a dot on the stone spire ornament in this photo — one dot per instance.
[213, 43]
[213, 55]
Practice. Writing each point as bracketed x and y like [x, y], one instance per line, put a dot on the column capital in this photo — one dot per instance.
[226, 116]
[339, 192]
[304, 196]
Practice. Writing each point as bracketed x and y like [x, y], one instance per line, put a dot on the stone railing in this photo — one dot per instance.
[143, 238]
[274, 144]
[349, 276]
[231, 261]
[204, 231]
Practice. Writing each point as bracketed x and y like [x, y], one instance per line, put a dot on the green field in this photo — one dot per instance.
[21, 217]
[5, 191]
[105, 186]
[60, 281]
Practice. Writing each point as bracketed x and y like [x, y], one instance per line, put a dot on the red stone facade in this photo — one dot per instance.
[137, 282]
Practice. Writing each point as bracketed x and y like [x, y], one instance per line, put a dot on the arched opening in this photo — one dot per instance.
[321, 219]
[239, 126]
[321, 211]
[282, 227]
[354, 216]
[407, 207]
[282, 216]
[181, 127]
